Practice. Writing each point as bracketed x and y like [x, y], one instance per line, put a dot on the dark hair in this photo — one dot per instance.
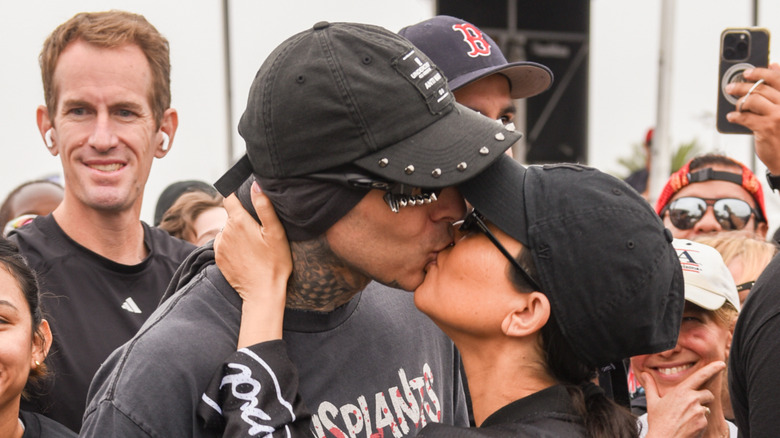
[15, 264]
[603, 417]
[707, 160]
[6, 214]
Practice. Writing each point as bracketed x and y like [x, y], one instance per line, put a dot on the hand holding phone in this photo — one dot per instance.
[740, 49]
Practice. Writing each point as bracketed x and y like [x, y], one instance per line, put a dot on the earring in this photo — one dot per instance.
[166, 142]
[37, 364]
[47, 138]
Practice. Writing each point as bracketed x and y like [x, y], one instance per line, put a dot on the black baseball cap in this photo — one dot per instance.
[604, 258]
[465, 54]
[174, 191]
[348, 93]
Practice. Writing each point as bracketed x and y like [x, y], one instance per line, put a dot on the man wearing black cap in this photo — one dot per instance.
[533, 312]
[361, 177]
[478, 73]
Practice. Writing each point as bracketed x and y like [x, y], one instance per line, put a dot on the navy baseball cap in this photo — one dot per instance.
[603, 257]
[464, 53]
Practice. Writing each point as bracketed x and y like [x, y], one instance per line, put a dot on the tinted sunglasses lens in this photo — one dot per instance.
[685, 212]
[732, 214]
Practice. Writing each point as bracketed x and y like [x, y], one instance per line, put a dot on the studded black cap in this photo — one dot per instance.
[343, 93]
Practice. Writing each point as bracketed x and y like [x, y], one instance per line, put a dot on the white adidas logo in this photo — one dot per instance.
[131, 306]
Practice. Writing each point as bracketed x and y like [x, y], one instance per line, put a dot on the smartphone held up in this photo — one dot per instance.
[740, 49]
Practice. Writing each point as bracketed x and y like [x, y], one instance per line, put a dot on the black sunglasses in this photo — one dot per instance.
[398, 195]
[472, 221]
[745, 286]
[731, 213]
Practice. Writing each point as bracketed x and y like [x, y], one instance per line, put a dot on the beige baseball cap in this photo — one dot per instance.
[708, 282]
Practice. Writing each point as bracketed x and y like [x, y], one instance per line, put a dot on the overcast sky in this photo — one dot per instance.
[625, 37]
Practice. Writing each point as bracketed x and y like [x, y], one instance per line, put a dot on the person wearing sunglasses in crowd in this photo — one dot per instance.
[557, 270]
[712, 193]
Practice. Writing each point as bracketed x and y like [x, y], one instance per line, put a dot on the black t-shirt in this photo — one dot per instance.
[93, 305]
[38, 426]
[548, 413]
[754, 383]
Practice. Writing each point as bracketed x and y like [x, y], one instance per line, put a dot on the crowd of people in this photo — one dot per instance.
[374, 266]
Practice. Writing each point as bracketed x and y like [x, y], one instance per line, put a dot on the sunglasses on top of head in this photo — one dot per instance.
[731, 213]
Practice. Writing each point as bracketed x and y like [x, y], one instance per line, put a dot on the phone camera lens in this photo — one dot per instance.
[736, 46]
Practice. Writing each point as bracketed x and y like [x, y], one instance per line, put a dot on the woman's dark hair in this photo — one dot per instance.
[603, 417]
[14, 263]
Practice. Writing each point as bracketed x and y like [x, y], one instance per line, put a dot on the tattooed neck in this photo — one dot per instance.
[320, 280]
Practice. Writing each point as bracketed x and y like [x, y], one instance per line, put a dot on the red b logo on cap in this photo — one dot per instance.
[473, 37]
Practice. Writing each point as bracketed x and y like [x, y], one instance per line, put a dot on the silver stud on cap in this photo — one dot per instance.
[383, 162]
[436, 172]
[484, 150]
[510, 127]
[409, 169]
[500, 136]
[462, 166]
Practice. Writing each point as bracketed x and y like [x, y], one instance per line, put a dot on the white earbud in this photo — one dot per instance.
[166, 141]
[47, 139]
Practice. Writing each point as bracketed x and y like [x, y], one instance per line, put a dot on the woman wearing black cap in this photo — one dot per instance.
[568, 269]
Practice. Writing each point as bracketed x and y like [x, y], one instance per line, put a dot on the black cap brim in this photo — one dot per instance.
[497, 193]
[455, 148]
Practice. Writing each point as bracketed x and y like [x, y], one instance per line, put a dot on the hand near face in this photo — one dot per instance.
[683, 411]
[255, 259]
[761, 112]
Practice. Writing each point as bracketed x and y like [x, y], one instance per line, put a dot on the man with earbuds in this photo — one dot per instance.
[106, 80]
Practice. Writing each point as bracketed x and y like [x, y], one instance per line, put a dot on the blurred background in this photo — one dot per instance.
[604, 54]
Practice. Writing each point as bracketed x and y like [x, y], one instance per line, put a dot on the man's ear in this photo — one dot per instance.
[168, 126]
[46, 128]
[761, 229]
[528, 316]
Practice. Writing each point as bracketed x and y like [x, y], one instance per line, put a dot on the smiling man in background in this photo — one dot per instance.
[106, 80]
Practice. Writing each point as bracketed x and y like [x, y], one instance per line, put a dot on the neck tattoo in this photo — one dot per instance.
[320, 280]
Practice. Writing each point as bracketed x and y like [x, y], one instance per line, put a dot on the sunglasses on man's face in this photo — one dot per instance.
[475, 222]
[731, 213]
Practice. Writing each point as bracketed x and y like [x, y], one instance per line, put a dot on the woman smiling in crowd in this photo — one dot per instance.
[684, 385]
[25, 339]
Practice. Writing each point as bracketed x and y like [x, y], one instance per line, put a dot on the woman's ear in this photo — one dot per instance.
[41, 343]
[729, 336]
[528, 316]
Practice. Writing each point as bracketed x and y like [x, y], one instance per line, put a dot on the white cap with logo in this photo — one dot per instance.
[708, 282]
